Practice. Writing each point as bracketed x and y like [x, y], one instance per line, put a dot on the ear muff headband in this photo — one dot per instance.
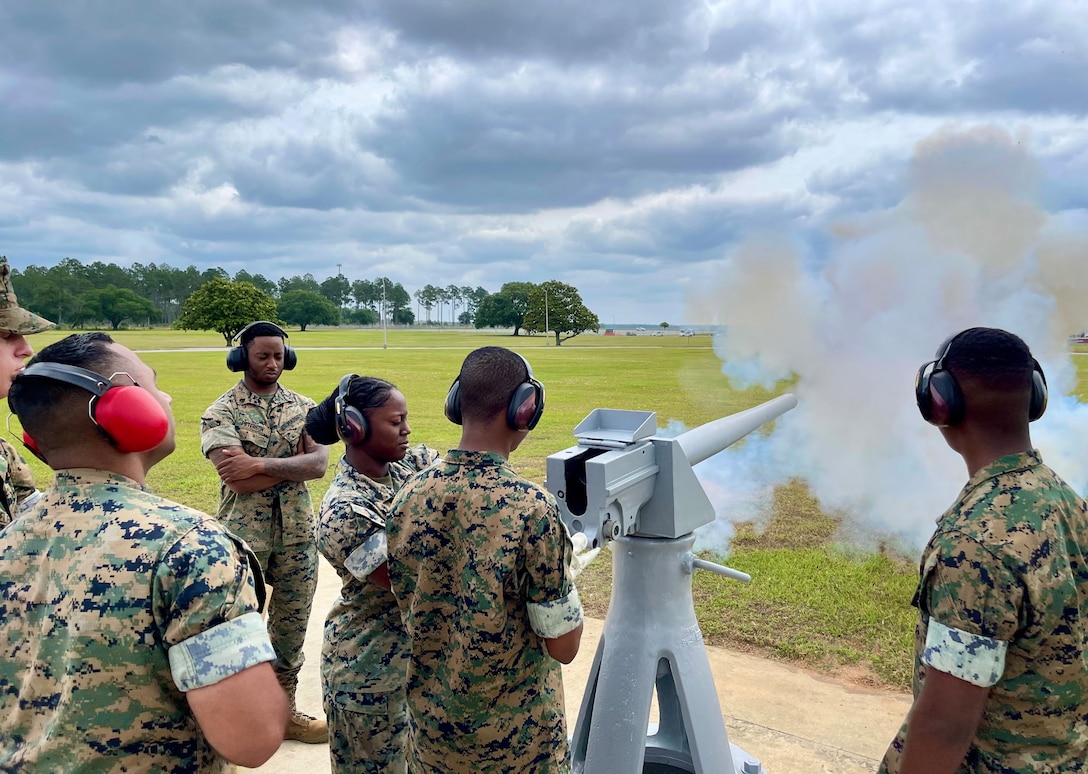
[351, 424]
[524, 410]
[129, 415]
[940, 399]
[238, 357]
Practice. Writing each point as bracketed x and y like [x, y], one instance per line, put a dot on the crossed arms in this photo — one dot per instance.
[244, 474]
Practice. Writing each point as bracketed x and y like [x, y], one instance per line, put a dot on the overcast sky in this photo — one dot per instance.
[626, 148]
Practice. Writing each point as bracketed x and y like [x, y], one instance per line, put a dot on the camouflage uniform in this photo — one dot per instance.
[116, 602]
[478, 561]
[365, 651]
[277, 522]
[1003, 598]
[16, 480]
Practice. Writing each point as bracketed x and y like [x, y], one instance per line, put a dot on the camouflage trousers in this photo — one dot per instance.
[367, 732]
[291, 571]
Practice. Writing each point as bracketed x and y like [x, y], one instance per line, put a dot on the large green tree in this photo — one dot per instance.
[225, 306]
[557, 307]
[337, 289]
[115, 305]
[257, 280]
[505, 309]
[304, 307]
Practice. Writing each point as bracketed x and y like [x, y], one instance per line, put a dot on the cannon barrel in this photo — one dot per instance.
[709, 439]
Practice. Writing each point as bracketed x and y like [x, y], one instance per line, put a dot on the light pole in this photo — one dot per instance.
[547, 341]
[339, 273]
[385, 333]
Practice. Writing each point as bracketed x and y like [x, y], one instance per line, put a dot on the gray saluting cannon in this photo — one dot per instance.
[622, 483]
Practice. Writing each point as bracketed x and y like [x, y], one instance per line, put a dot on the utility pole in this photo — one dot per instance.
[547, 342]
[340, 296]
[385, 333]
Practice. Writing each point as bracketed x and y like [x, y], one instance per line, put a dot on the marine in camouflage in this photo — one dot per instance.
[1003, 602]
[364, 655]
[12, 316]
[16, 480]
[478, 560]
[277, 522]
[264, 426]
[116, 602]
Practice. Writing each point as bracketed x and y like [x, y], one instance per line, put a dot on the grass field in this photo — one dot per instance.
[814, 600]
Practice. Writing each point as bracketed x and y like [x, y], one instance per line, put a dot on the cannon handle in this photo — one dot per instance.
[693, 563]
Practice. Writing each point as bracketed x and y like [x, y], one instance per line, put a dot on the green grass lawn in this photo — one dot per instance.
[813, 599]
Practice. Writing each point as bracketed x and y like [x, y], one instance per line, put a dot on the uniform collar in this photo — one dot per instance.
[1010, 463]
[243, 394]
[483, 459]
[360, 479]
[93, 477]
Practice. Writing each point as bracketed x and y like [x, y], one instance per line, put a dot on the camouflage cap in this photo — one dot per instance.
[12, 316]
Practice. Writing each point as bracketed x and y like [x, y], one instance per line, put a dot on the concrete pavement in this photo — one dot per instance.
[794, 721]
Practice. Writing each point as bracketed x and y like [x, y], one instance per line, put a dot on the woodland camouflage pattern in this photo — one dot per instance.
[1007, 563]
[471, 544]
[104, 586]
[16, 479]
[277, 522]
[364, 655]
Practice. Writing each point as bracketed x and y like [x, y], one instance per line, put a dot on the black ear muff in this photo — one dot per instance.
[936, 391]
[130, 416]
[238, 357]
[351, 424]
[452, 408]
[940, 400]
[527, 403]
[522, 413]
[1038, 392]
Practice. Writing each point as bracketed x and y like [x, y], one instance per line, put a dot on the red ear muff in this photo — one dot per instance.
[130, 416]
[32, 445]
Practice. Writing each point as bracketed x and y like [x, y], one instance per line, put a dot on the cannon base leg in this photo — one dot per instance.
[652, 641]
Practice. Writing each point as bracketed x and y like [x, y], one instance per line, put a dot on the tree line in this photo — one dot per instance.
[78, 295]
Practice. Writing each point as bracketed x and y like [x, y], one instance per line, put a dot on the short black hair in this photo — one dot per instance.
[991, 356]
[261, 328]
[38, 401]
[364, 393]
[489, 377]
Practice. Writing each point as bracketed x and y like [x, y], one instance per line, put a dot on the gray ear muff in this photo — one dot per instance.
[351, 424]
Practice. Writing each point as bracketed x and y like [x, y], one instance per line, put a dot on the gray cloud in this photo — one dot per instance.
[475, 143]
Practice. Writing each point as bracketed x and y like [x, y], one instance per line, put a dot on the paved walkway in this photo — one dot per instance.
[794, 721]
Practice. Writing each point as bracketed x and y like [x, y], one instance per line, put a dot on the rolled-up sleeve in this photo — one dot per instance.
[553, 603]
[217, 653]
[554, 619]
[207, 608]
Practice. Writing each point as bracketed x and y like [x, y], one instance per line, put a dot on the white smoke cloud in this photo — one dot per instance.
[970, 245]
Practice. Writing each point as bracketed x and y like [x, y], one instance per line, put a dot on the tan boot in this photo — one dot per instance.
[303, 728]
